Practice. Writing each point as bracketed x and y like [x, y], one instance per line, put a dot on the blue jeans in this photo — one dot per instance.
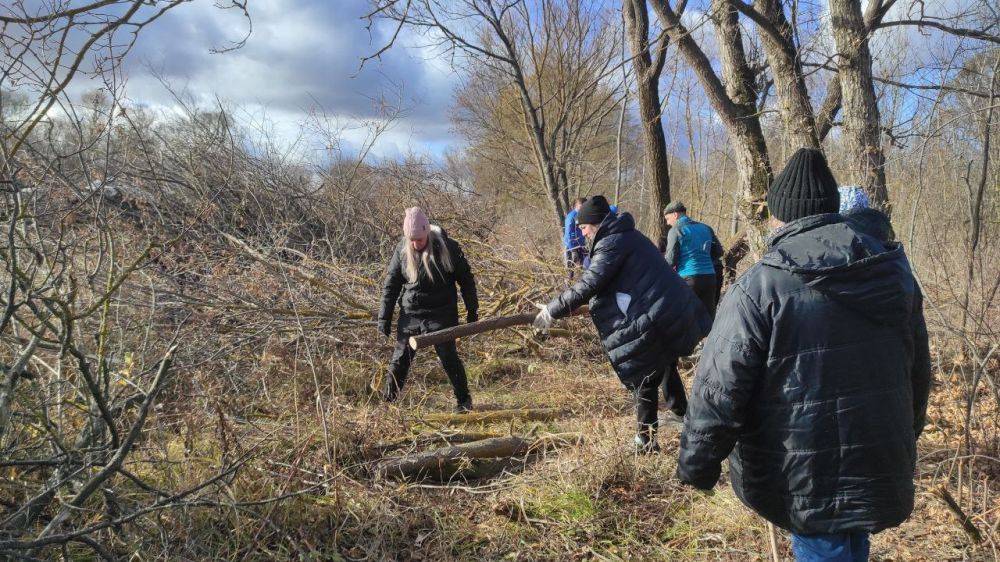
[839, 547]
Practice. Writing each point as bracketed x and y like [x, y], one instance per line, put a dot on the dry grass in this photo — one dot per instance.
[595, 501]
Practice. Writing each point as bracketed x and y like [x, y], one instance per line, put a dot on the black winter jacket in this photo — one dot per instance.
[431, 303]
[817, 370]
[663, 319]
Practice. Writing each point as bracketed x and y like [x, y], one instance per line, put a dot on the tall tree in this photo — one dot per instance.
[862, 123]
[555, 55]
[733, 96]
[785, 63]
[648, 69]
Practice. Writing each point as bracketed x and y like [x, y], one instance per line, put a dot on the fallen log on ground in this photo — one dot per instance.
[478, 459]
[493, 416]
[472, 328]
[418, 441]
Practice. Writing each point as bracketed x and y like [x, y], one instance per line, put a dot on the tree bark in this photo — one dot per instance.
[794, 104]
[874, 12]
[647, 72]
[747, 135]
[862, 123]
[462, 330]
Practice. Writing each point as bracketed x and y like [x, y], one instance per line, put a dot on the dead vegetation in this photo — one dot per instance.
[187, 336]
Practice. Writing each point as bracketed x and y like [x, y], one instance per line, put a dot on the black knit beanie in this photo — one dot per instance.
[805, 187]
[595, 209]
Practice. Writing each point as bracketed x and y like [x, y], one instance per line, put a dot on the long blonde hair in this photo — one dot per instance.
[427, 258]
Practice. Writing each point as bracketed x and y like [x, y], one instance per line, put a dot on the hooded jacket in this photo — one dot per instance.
[815, 378]
[430, 303]
[645, 313]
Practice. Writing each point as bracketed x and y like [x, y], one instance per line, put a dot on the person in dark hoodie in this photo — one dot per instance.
[421, 280]
[814, 380]
[645, 314]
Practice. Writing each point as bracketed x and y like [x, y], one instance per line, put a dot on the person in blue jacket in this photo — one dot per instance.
[694, 252]
[573, 240]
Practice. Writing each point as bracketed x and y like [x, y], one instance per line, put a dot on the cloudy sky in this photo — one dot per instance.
[302, 55]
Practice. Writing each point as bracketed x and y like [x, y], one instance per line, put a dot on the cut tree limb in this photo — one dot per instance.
[382, 449]
[963, 519]
[472, 328]
[461, 460]
[525, 414]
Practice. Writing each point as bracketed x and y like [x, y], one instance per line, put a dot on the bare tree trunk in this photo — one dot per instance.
[746, 133]
[647, 72]
[862, 123]
[794, 105]
[874, 12]
[733, 97]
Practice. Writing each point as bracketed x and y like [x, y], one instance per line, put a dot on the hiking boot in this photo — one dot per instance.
[645, 444]
[464, 407]
[387, 394]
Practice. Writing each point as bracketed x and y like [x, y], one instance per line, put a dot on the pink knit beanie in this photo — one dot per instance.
[415, 224]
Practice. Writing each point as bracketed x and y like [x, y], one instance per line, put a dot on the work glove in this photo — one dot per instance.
[471, 316]
[544, 319]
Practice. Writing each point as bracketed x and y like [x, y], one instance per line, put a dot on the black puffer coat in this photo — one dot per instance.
[431, 303]
[663, 318]
[817, 370]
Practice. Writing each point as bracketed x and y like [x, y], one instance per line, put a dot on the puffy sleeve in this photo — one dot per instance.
[392, 285]
[732, 364]
[604, 266]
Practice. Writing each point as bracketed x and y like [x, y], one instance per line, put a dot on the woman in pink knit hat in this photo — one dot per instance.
[421, 280]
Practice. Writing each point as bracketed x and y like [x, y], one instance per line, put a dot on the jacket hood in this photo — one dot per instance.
[868, 276]
[615, 224]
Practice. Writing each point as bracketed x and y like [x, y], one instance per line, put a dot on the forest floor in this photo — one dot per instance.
[596, 500]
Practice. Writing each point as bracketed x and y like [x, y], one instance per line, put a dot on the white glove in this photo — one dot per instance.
[544, 319]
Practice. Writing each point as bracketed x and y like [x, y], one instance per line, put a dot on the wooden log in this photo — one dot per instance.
[493, 416]
[461, 460]
[472, 328]
[462, 330]
[381, 449]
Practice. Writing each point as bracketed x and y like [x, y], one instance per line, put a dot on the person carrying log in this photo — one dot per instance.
[421, 279]
[815, 378]
[645, 314]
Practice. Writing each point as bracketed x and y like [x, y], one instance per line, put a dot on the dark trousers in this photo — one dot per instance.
[673, 391]
[704, 288]
[647, 399]
[402, 358]
[720, 278]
